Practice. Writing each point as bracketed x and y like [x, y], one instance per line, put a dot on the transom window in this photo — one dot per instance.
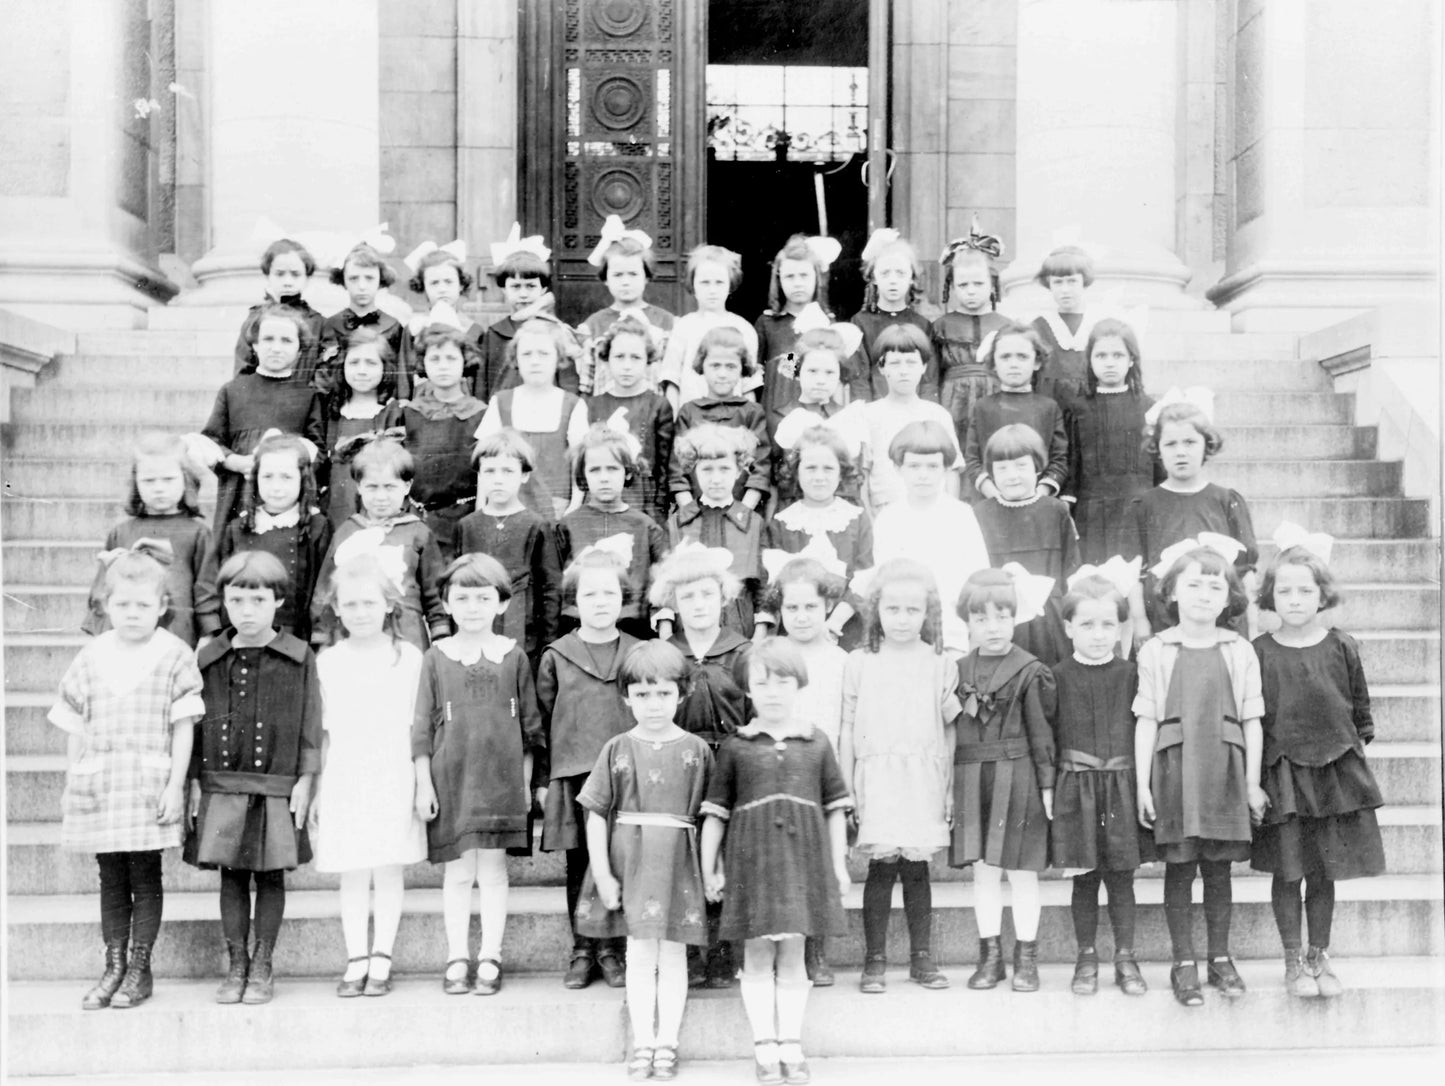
[800, 113]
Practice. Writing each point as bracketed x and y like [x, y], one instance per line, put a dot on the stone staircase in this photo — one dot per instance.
[1290, 447]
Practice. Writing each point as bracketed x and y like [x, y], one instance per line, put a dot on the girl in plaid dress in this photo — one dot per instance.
[127, 702]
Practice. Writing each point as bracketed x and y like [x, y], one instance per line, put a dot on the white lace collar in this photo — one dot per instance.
[815, 521]
[265, 522]
[447, 646]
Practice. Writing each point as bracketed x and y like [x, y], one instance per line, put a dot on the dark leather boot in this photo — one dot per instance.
[1126, 974]
[1086, 972]
[1026, 965]
[261, 984]
[137, 984]
[99, 997]
[234, 986]
[815, 960]
[1297, 979]
[990, 965]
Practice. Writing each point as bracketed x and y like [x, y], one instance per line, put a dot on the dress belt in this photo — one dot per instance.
[655, 818]
[995, 751]
[247, 784]
[1076, 761]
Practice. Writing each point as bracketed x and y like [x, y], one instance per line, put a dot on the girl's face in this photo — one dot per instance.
[991, 631]
[653, 705]
[903, 370]
[1181, 448]
[627, 361]
[605, 476]
[134, 609]
[711, 285]
[444, 366]
[1201, 597]
[922, 475]
[287, 277]
[382, 494]
[441, 283]
[363, 368]
[161, 484]
[717, 478]
[626, 278]
[1110, 361]
[699, 605]
[278, 482]
[819, 473]
[722, 370]
[1016, 479]
[799, 281]
[599, 599]
[902, 610]
[474, 608]
[1297, 595]
[499, 480]
[1014, 361]
[252, 611]
[1094, 629]
[1068, 292]
[971, 286]
[774, 696]
[362, 607]
[893, 275]
[521, 293]
[362, 286]
[536, 359]
[818, 376]
[805, 612]
[278, 344]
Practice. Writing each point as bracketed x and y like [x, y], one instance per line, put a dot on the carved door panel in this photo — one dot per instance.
[612, 125]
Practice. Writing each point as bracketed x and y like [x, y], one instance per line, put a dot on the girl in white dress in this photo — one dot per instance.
[367, 827]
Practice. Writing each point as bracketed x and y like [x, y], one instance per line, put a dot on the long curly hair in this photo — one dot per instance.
[903, 571]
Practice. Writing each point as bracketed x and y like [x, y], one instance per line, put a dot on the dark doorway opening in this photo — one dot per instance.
[787, 99]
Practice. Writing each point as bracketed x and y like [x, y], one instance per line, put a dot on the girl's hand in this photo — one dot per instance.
[426, 801]
[843, 880]
[683, 498]
[239, 464]
[301, 801]
[1048, 797]
[713, 884]
[948, 807]
[193, 805]
[541, 795]
[1041, 491]
[1142, 633]
[1146, 808]
[172, 805]
[987, 489]
[609, 890]
[1258, 804]
[203, 641]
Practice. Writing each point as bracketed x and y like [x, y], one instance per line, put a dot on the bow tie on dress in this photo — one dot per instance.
[357, 320]
[976, 700]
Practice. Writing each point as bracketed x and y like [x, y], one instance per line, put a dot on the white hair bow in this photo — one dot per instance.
[371, 542]
[811, 319]
[720, 558]
[444, 315]
[617, 423]
[1119, 573]
[306, 443]
[613, 231]
[818, 549]
[823, 250]
[800, 420]
[1319, 544]
[514, 242]
[1195, 395]
[377, 238]
[413, 259]
[877, 241]
[618, 546]
[1222, 545]
[1032, 590]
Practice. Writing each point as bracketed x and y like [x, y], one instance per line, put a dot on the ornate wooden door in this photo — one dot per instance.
[612, 124]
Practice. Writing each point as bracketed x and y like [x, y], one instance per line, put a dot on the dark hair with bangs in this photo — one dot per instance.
[618, 445]
[254, 569]
[507, 444]
[1192, 415]
[901, 339]
[1111, 328]
[1013, 441]
[627, 326]
[796, 248]
[774, 656]
[1214, 564]
[831, 588]
[923, 438]
[593, 559]
[1307, 559]
[279, 310]
[1066, 260]
[716, 254]
[437, 335]
[384, 454]
[170, 446]
[523, 265]
[1094, 587]
[280, 247]
[725, 338]
[987, 586]
[475, 571]
[365, 335]
[626, 246]
[417, 282]
[1014, 328]
[364, 256]
[713, 441]
[288, 445]
[653, 662]
[823, 437]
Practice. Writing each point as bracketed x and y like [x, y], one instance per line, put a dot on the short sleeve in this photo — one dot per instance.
[835, 793]
[577, 425]
[186, 702]
[1251, 691]
[722, 789]
[1148, 701]
[598, 795]
[70, 711]
[948, 704]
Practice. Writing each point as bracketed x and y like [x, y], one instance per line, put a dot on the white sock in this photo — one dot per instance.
[492, 879]
[457, 879]
[388, 898]
[355, 902]
[1024, 888]
[987, 899]
[642, 990]
[671, 991]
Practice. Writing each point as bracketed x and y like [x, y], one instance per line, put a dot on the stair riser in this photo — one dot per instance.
[1238, 371]
[27, 563]
[80, 478]
[1260, 479]
[118, 371]
[60, 403]
[1300, 442]
[1366, 561]
[1401, 659]
[102, 441]
[78, 520]
[536, 942]
[1357, 518]
[1271, 408]
[47, 612]
[150, 344]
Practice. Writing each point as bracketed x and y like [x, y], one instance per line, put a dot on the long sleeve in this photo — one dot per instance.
[534, 736]
[546, 566]
[1040, 703]
[761, 474]
[1069, 559]
[429, 570]
[1241, 527]
[1057, 470]
[663, 432]
[218, 426]
[859, 377]
[424, 716]
[322, 619]
[1359, 690]
[677, 480]
[210, 616]
[309, 759]
[972, 450]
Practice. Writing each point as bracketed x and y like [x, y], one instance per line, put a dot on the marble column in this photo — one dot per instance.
[76, 164]
[1333, 160]
[486, 137]
[1096, 155]
[292, 109]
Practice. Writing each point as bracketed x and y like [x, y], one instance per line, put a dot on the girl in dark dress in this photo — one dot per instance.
[1095, 825]
[1320, 825]
[629, 351]
[1197, 748]
[961, 336]
[475, 735]
[1066, 274]
[364, 274]
[1108, 464]
[439, 274]
[288, 268]
[256, 754]
[723, 360]
[362, 403]
[278, 516]
[624, 262]
[797, 293]
[895, 289]
[779, 796]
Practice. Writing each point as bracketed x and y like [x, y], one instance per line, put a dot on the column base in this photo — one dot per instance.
[1142, 278]
[81, 287]
[1307, 295]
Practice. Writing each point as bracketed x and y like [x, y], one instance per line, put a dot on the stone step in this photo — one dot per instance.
[1379, 518]
[78, 477]
[1400, 656]
[184, 342]
[1396, 1003]
[58, 937]
[36, 864]
[1373, 606]
[107, 441]
[1327, 442]
[58, 403]
[1272, 478]
[50, 561]
[1373, 561]
[125, 371]
[44, 608]
[76, 519]
[1231, 369]
[1179, 321]
[1266, 351]
[1269, 408]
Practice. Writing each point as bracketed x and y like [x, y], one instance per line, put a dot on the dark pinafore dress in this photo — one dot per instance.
[548, 489]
